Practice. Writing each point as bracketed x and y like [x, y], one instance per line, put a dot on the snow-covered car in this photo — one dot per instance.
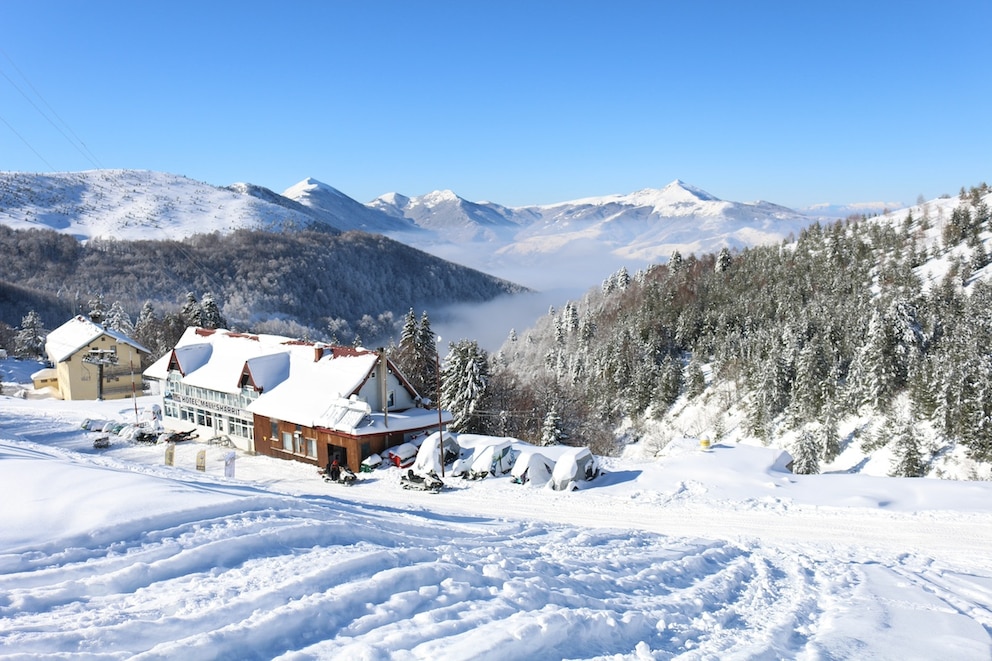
[532, 468]
[93, 424]
[429, 457]
[577, 465]
[496, 459]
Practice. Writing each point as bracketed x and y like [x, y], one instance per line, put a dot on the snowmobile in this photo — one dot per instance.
[101, 442]
[176, 436]
[340, 475]
[430, 482]
[145, 437]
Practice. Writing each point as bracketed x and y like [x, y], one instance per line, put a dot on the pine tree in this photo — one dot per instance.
[623, 278]
[30, 339]
[191, 312]
[464, 379]
[118, 320]
[805, 454]
[973, 414]
[570, 318]
[210, 315]
[670, 383]
[812, 371]
[872, 378]
[426, 356]
[723, 260]
[148, 330]
[695, 380]
[551, 432]
[828, 438]
[405, 353]
[907, 459]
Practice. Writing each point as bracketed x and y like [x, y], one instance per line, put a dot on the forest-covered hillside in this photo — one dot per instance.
[875, 332]
[322, 284]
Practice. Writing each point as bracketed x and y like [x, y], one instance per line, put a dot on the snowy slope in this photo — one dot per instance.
[934, 215]
[135, 204]
[111, 554]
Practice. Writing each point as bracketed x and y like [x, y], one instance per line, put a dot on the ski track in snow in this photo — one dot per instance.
[243, 571]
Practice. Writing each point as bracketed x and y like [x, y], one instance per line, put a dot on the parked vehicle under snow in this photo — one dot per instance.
[577, 465]
[532, 468]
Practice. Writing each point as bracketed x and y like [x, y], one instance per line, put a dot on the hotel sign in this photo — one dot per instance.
[206, 404]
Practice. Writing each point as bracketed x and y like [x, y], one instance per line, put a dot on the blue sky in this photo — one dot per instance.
[516, 102]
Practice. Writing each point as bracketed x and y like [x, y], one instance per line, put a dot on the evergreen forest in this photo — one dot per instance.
[885, 321]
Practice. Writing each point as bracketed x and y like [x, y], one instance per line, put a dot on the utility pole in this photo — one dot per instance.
[437, 370]
[100, 357]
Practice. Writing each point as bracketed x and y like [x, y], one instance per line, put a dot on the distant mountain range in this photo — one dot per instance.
[552, 245]
[540, 246]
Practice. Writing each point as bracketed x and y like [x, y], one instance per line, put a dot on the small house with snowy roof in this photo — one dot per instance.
[287, 398]
[90, 361]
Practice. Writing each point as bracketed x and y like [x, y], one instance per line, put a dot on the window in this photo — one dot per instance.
[275, 429]
[311, 447]
[287, 441]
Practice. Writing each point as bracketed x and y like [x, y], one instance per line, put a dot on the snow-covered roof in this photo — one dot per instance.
[307, 383]
[192, 357]
[73, 335]
[411, 419]
[313, 387]
[269, 371]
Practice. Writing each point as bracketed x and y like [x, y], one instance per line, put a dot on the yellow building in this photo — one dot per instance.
[91, 362]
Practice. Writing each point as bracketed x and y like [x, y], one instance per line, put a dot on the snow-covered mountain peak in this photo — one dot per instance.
[391, 199]
[310, 186]
[676, 194]
[682, 190]
[435, 198]
[348, 213]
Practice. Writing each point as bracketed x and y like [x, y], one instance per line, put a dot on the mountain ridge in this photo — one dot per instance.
[541, 242]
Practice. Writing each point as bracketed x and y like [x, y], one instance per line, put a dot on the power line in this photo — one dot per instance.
[86, 153]
[30, 146]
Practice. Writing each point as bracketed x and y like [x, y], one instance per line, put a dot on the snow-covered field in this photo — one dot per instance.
[110, 554]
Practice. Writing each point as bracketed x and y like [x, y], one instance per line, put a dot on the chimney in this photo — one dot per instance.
[318, 351]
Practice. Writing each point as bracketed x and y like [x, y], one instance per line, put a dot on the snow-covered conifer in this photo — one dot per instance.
[191, 312]
[723, 260]
[551, 432]
[210, 315]
[907, 459]
[464, 379]
[806, 454]
[426, 356]
[117, 319]
[30, 339]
